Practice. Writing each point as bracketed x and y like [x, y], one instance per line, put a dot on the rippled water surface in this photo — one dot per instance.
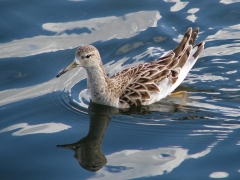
[50, 130]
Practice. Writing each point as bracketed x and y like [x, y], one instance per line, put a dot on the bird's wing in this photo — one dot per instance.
[139, 82]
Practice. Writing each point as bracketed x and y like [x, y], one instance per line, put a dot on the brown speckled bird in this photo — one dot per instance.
[142, 84]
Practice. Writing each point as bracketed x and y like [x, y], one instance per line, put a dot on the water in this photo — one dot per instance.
[50, 130]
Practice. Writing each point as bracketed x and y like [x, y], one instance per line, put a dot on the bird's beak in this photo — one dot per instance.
[71, 66]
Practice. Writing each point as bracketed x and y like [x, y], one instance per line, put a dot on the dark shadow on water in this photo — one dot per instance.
[88, 150]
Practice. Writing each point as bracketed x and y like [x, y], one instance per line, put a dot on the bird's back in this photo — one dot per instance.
[149, 82]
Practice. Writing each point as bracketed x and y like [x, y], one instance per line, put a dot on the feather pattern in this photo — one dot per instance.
[142, 84]
[143, 80]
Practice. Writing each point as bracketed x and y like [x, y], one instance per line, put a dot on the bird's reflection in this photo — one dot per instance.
[88, 150]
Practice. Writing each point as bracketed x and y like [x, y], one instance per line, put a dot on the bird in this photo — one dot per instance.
[142, 84]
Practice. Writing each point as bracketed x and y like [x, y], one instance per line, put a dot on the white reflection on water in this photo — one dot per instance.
[178, 5]
[192, 78]
[223, 61]
[192, 17]
[102, 29]
[229, 1]
[222, 50]
[229, 89]
[231, 72]
[109, 27]
[230, 32]
[227, 111]
[130, 164]
[221, 132]
[26, 129]
[219, 174]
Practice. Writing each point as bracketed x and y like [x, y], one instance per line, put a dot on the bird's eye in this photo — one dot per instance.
[88, 56]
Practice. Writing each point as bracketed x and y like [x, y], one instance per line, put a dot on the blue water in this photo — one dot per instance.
[50, 130]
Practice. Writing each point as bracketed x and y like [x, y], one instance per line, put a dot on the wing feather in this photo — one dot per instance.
[139, 82]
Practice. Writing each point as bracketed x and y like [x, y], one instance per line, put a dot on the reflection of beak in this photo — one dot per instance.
[71, 66]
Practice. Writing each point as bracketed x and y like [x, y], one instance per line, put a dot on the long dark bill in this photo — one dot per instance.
[61, 73]
[71, 66]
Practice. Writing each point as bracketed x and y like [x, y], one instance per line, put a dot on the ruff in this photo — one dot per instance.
[142, 84]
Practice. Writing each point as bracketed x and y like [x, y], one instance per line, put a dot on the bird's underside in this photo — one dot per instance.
[152, 81]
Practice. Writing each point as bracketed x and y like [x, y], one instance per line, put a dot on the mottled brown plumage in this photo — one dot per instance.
[142, 84]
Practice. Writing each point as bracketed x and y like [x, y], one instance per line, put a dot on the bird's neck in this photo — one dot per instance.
[98, 85]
